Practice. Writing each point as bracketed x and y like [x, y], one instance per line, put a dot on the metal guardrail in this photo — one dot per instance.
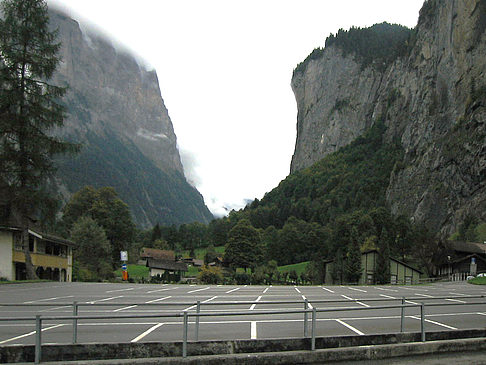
[185, 314]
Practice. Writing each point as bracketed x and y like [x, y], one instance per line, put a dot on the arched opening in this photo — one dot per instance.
[48, 274]
[56, 275]
[40, 272]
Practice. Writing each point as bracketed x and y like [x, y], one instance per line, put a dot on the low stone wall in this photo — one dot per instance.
[76, 352]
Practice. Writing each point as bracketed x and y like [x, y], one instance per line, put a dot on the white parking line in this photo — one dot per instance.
[409, 301]
[329, 290]
[346, 297]
[195, 305]
[364, 291]
[142, 335]
[434, 322]
[481, 314]
[47, 299]
[30, 334]
[208, 300]
[55, 308]
[104, 300]
[159, 300]
[193, 291]
[456, 300]
[358, 302]
[385, 289]
[350, 327]
[424, 295]
[121, 309]
[298, 291]
[266, 289]
[253, 331]
[254, 305]
[155, 291]
[112, 291]
[232, 290]
[387, 296]
[308, 304]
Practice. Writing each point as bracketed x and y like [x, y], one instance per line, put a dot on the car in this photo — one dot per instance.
[470, 277]
[481, 275]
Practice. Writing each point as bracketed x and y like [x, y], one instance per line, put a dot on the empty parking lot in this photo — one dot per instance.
[124, 300]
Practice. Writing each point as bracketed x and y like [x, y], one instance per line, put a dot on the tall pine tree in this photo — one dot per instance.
[29, 108]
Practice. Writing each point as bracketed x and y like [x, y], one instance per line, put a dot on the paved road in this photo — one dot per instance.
[128, 299]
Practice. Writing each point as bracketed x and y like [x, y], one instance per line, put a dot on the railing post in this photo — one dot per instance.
[184, 335]
[306, 305]
[75, 322]
[422, 320]
[198, 310]
[402, 316]
[38, 339]
[313, 330]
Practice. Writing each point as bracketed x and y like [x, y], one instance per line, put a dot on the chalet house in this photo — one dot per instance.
[163, 264]
[154, 253]
[400, 272]
[51, 256]
[461, 259]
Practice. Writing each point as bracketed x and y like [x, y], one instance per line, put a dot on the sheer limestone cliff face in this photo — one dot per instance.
[433, 101]
[115, 110]
[112, 92]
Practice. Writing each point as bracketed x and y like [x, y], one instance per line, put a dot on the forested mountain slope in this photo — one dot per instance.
[115, 110]
[428, 87]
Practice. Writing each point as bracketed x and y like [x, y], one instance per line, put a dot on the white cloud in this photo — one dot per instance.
[224, 69]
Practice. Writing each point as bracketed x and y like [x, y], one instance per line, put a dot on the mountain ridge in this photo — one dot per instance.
[431, 99]
[113, 100]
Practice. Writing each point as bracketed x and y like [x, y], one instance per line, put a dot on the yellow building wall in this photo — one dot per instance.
[42, 260]
[6, 266]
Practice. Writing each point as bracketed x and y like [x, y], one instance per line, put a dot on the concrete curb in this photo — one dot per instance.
[359, 353]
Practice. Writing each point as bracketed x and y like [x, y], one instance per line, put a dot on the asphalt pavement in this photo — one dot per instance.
[449, 306]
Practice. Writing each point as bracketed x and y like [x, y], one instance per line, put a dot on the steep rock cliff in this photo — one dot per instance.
[433, 100]
[115, 110]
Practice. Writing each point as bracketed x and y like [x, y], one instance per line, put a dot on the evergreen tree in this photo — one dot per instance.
[353, 268]
[382, 273]
[29, 107]
[156, 233]
[337, 270]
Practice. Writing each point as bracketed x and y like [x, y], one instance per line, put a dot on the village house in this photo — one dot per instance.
[52, 256]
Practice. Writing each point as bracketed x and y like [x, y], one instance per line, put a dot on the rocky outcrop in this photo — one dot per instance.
[433, 100]
[115, 110]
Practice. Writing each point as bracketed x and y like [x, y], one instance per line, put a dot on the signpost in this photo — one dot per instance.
[124, 259]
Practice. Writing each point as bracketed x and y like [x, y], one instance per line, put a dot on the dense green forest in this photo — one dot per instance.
[377, 45]
[323, 212]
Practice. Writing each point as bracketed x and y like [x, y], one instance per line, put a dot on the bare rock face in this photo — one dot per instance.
[433, 101]
[115, 110]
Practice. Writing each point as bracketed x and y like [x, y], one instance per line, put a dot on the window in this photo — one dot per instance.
[17, 238]
[369, 279]
[393, 279]
[31, 243]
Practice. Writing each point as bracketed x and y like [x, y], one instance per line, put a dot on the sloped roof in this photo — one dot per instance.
[41, 235]
[466, 258]
[155, 253]
[468, 247]
[166, 265]
[396, 260]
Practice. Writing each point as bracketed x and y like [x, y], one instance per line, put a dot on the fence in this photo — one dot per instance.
[185, 314]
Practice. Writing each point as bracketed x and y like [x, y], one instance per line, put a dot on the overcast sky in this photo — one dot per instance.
[224, 68]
